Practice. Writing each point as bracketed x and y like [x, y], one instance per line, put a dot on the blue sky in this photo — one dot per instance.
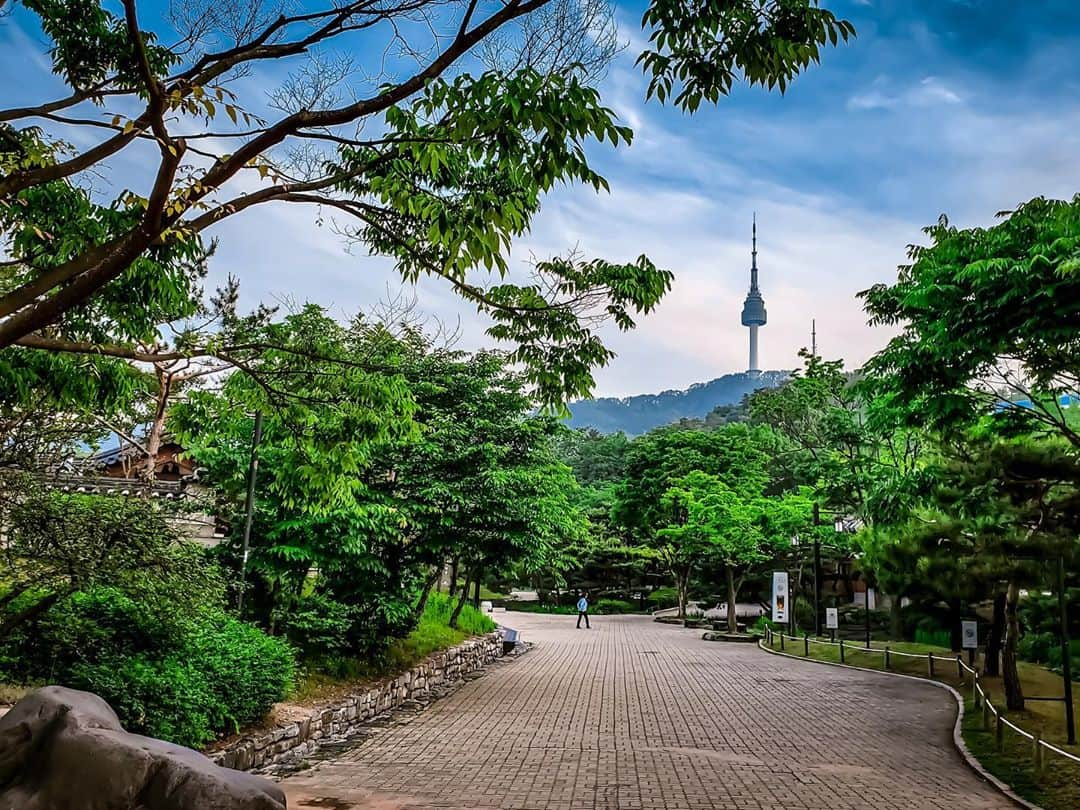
[964, 107]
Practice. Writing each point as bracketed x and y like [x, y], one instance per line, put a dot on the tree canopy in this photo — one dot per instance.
[437, 160]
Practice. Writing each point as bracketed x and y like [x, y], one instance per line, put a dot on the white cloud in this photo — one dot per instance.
[928, 92]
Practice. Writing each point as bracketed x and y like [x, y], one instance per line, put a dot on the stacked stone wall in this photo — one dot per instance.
[296, 740]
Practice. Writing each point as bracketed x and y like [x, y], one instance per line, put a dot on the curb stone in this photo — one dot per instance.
[957, 735]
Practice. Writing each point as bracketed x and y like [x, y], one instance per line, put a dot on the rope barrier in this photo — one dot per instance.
[989, 709]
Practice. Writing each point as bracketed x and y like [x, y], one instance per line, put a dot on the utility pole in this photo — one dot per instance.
[817, 571]
[249, 505]
[1066, 664]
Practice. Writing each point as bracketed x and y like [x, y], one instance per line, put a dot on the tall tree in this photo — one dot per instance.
[431, 162]
[989, 316]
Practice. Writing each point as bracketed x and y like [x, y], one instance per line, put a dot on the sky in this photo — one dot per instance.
[956, 107]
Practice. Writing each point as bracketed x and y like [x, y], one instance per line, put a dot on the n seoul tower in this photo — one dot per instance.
[753, 310]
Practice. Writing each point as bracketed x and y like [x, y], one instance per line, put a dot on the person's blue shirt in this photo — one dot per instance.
[582, 604]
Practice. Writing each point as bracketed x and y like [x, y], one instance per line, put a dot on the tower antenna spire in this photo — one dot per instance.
[813, 338]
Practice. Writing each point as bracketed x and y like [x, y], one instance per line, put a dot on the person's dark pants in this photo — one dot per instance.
[583, 614]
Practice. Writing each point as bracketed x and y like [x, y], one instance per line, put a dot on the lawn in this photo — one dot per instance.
[1056, 787]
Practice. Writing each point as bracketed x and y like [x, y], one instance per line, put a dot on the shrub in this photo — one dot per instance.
[936, 638]
[1036, 647]
[1053, 659]
[183, 677]
[614, 606]
[763, 623]
[663, 598]
[317, 625]
[540, 607]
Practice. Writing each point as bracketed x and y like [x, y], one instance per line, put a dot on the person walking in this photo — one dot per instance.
[583, 610]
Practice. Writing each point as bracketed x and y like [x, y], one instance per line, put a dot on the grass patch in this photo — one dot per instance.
[1055, 787]
[338, 677]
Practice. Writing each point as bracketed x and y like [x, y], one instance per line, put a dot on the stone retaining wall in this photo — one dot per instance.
[296, 740]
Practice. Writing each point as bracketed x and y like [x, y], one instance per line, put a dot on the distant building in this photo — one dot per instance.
[119, 471]
[126, 461]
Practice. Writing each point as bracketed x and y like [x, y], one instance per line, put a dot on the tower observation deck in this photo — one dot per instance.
[753, 312]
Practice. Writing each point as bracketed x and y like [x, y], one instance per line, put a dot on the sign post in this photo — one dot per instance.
[832, 621]
[780, 606]
[969, 634]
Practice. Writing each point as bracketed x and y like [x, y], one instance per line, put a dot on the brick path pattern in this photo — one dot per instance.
[634, 715]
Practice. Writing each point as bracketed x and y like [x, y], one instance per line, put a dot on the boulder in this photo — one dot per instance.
[61, 749]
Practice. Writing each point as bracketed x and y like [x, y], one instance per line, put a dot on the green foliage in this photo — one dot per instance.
[384, 462]
[182, 677]
[612, 607]
[697, 52]
[936, 638]
[975, 304]
[845, 441]
[471, 621]
[663, 598]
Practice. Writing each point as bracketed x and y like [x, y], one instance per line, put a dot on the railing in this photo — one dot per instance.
[979, 695]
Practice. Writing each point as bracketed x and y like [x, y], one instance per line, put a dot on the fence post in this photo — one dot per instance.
[886, 656]
[1037, 753]
[930, 664]
[806, 645]
[975, 689]
[960, 668]
[841, 651]
[986, 711]
[999, 734]
[781, 639]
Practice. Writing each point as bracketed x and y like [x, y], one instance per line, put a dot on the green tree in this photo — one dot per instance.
[439, 166]
[384, 458]
[987, 316]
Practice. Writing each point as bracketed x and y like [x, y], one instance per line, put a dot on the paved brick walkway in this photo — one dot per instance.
[634, 715]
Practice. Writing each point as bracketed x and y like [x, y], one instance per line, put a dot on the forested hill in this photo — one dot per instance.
[639, 414]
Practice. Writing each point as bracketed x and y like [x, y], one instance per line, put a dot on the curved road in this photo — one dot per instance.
[634, 715]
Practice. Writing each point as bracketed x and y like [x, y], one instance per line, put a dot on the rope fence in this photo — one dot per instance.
[993, 719]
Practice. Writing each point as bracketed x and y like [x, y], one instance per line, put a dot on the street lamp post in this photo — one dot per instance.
[817, 572]
[249, 505]
[1066, 664]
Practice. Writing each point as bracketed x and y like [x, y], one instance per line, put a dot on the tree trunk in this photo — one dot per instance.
[13, 593]
[992, 659]
[157, 427]
[31, 612]
[431, 582]
[682, 583]
[896, 624]
[476, 590]
[1014, 691]
[461, 603]
[732, 597]
[452, 589]
[956, 638]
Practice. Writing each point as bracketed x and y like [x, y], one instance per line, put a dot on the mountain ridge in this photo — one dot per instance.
[640, 413]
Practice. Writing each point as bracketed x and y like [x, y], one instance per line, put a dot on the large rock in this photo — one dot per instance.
[61, 749]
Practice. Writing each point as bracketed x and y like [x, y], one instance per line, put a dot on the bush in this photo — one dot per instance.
[763, 623]
[541, 607]
[1053, 659]
[663, 598]
[614, 606]
[182, 677]
[936, 638]
[1036, 647]
[317, 625]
